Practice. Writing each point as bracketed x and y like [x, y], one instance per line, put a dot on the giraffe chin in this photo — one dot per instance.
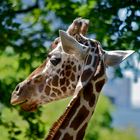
[32, 107]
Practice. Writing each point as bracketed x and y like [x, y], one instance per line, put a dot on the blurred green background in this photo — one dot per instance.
[27, 28]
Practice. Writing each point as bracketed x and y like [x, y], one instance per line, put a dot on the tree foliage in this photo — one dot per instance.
[26, 31]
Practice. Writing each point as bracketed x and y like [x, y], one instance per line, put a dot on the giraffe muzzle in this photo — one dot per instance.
[15, 101]
[24, 104]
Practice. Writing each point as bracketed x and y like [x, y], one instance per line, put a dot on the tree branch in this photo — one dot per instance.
[22, 11]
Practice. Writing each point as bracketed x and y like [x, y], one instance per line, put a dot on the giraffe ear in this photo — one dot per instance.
[113, 58]
[71, 46]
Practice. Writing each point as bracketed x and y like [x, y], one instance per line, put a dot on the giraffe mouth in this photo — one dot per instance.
[26, 105]
[22, 102]
[16, 101]
[29, 107]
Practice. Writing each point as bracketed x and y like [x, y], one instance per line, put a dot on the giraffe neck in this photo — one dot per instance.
[73, 123]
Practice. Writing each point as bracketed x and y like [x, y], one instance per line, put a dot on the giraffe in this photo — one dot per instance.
[76, 66]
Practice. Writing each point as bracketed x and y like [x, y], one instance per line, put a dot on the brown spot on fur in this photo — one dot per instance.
[62, 73]
[79, 67]
[89, 95]
[68, 73]
[86, 74]
[67, 137]
[47, 90]
[62, 81]
[73, 77]
[81, 132]
[53, 94]
[74, 68]
[55, 80]
[63, 65]
[63, 89]
[67, 82]
[99, 85]
[89, 60]
[68, 67]
[71, 113]
[72, 63]
[57, 91]
[81, 116]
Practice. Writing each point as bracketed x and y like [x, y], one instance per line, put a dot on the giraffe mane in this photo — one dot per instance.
[58, 123]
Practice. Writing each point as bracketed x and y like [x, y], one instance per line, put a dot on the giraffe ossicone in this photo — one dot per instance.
[76, 66]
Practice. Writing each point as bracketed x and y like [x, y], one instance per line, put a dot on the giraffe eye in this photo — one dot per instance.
[55, 61]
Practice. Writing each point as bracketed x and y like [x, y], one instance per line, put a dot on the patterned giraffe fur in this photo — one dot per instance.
[72, 124]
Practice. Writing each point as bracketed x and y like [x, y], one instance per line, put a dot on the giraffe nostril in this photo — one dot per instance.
[17, 88]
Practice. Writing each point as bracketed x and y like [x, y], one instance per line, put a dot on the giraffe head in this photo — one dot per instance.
[69, 66]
